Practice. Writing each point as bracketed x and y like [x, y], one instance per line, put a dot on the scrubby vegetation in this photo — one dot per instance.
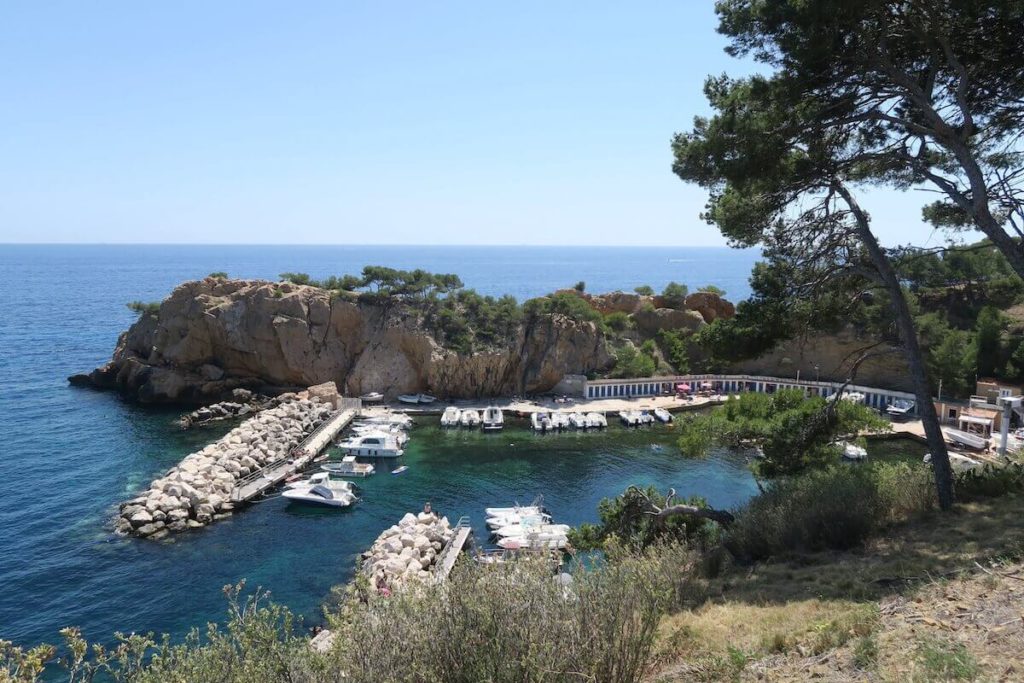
[144, 308]
[963, 301]
[794, 432]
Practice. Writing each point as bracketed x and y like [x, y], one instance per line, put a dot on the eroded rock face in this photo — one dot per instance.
[710, 306]
[651, 321]
[213, 336]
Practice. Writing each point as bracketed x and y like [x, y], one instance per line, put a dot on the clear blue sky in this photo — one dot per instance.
[359, 122]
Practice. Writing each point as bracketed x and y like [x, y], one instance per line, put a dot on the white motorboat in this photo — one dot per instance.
[596, 420]
[534, 509]
[540, 422]
[525, 542]
[577, 421]
[498, 521]
[371, 430]
[645, 417]
[559, 420]
[348, 467]
[960, 463]
[450, 417]
[493, 419]
[470, 418]
[320, 494]
[663, 415]
[853, 397]
[539, 530]
[426, 398]
[411, 399]
[395, 419]
[630, 418]
[900, 408]
[321, 479]
[852, 451]
[372, 397]
[965, 439]
[379, 445]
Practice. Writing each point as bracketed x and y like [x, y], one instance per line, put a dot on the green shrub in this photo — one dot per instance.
[991, 482]
[629, 362]
[644, 290]
[580, 286]
[218, 275]
[618, 321]
[834, 508]
[515, 623]
[711, 289]
[297, 278]
[143, 308]
[829, 509]
[674, 294]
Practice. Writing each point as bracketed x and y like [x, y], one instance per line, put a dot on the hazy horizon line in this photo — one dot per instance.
[367, 244]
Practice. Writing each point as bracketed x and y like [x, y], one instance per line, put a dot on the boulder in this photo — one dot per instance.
[710, 305]
[141, 518]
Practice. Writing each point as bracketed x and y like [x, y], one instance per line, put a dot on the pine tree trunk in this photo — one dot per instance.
[912, 351]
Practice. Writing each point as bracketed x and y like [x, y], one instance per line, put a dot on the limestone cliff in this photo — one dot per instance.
[214, 335]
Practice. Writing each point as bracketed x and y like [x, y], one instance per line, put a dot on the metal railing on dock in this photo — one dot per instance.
[252, 485]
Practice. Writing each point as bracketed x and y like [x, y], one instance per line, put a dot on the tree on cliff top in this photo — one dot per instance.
[934, 91]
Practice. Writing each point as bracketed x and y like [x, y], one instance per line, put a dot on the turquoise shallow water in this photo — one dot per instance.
[68, 456]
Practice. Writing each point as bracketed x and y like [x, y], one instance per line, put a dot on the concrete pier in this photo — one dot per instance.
[301, 456]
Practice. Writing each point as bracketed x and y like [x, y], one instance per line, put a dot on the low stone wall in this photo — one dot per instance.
[198, 490]
[407, 552]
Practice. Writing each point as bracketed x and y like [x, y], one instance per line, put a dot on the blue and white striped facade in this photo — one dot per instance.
[733, 384]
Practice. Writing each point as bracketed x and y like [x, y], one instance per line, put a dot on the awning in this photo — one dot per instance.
[976, 420]
[683, 387]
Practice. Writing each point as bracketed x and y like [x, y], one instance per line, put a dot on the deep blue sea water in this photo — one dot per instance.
[68, 456]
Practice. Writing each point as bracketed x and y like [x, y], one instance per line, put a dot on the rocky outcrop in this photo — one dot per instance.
[831, 357]
[406, 553]
[650, 321]
[198, 490]
[213, 336]
[710, 306]
[244, 402]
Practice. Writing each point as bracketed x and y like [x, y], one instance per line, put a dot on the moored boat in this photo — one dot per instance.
[348, 467]
[372, 397]
[320, 494]
[577, 421]
[662, 415]
[960, 463]
[450, 417]
[377, 445]
[538, 530]
[596, 420]
[526, 542]
[540, 422]
[493, 419]
[425, 398]
[469, 418]
[559, 420]
[499, 521]
[852, 451]
[411, 399]
[965, 439]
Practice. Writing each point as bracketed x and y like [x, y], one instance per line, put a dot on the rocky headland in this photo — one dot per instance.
[213, 336]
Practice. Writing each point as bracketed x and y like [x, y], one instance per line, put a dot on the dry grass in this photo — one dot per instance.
[929, 601]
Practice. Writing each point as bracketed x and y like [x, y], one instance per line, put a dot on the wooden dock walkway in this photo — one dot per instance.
[301, 456]
[451, 553]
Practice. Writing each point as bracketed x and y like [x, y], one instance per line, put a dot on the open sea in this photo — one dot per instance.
[68, 456]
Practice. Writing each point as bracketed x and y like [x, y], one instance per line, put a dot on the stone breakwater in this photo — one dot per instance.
[198, 490]
[406, 553]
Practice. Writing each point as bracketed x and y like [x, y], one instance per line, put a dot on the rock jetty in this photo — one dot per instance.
[198, 490]
[245, 403]
[405, 554]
